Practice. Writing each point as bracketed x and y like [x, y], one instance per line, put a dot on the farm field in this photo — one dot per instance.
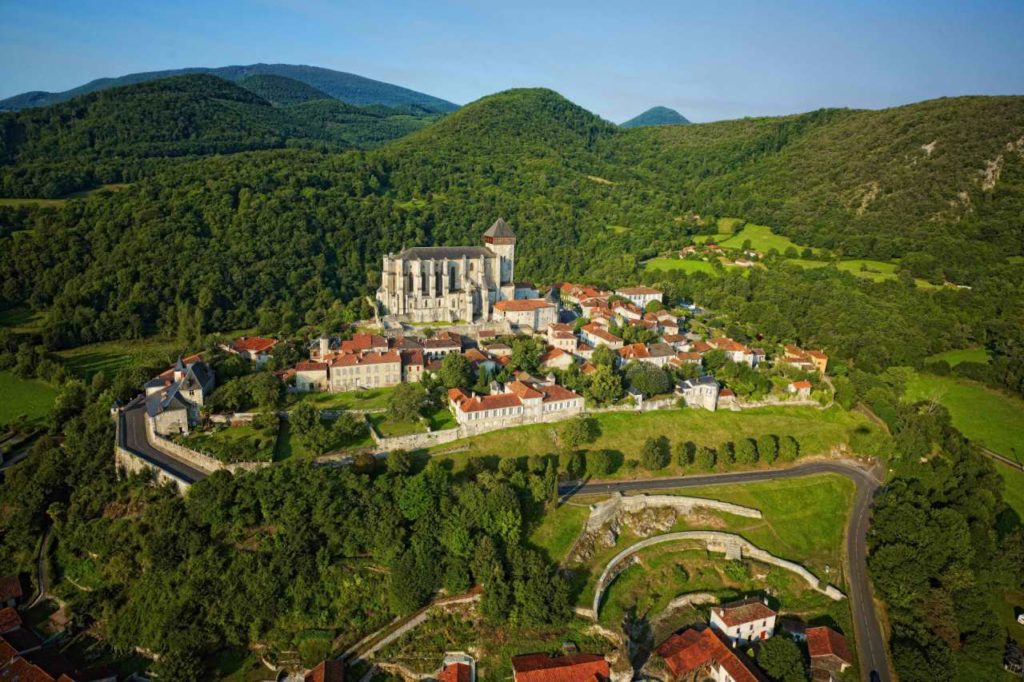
[874, 270]
[983, 414]
[29, 397]
[687, 266]
[623, 433]
[761, 239]
[955, 357]
[110, 356]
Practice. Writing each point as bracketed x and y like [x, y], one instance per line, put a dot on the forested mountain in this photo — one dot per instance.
[112, 135]
[655, 116]
[280, 90]
[346, 87]
[278, 236]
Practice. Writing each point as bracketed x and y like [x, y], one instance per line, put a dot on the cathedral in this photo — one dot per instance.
[450, 283]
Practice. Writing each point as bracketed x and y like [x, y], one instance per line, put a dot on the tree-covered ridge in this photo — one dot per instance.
[655, 116]
[108, 136]
[280, 90]
[346, 87]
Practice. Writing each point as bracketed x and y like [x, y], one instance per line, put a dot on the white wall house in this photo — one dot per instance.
[744, 621]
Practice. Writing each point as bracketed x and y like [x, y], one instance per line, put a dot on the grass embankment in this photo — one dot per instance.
[985, 415]
[368, 399]
[624, 433]
[687, 266]
[30, 397]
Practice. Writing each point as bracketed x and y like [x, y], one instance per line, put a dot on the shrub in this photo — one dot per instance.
[706, 458]
[746, 451]
[789, 449]
[686, 452]
[768, 448]
[655, 453]
[600, 463]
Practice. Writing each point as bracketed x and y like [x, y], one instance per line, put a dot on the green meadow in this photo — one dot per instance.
[955, 357]
[29, 397]
[983, 414]
[761, 239]
[679, 264]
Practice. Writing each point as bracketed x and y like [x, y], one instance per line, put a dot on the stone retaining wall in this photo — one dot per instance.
[196, 459]
[133, 463]
[714, 541]
[603, 512]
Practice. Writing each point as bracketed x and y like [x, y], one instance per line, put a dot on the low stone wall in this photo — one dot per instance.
[778, 402]
[415, 441]
[134, 463]
[714, 541]
[198, 460]
[603, 512]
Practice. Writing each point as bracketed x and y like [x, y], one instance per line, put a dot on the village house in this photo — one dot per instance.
[801, 389]
[805, 360]
[312, 376]
[595, 335]
[413, 365]
[677, 341]
[684, 358]
[255, 349]
[561, 336]
[450, 283]
[556, 358]
[702, 392]
[577, 293]
[735, 351]
[364, 343]
[595, 307]
[829, 652]
[639, 296]
[534, 314]
[727, 399]
[745, 621]
[373, 369]
[441, 345]
[569, 668]
[699, 654]
[498, 349]
[519, 402]
[326, 671]
[626, 312]
[457, 667]
[175, 397]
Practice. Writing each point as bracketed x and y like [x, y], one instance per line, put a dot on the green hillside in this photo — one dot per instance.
[281, 235]
[346, 87]
[281, 90]
[111, 136]
[656, 116]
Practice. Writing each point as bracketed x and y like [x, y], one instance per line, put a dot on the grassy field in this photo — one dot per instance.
[110, 356]
[389, 428]
[558, 529]
[687, 266]
[289, 446]
[624, 433]
[874, 270]
[29, 397]
[369, 399]
[761, 239]
[21, 320]
[1013, 490]
[984, 415]
[955, 357]
[238, 439]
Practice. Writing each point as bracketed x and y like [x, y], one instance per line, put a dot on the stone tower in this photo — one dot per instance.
[500, 239]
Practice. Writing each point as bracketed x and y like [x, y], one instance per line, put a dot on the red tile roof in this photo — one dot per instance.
[490, 402]
[327, 671]
[555, 393]
[363, 342]
[522, 305]
[573, 668]
[473, 355]
[524, 391]
[741, 612]
[456, 672]
[10, 587]
[597, 331]
[636, 291]
[310, 366]
[9, 619]
[685, 652]
[252, 344]
[824, 641]
[634, 351]
[700, 347]
[560, 327]
[803, 383]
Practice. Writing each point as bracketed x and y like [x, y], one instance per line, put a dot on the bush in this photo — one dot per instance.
[573, 463]
[726, 453]
[706, 458]
[686, 453]
[789, 449]
[600, 463]
[746, 451]
[768, 448]
[655, 453]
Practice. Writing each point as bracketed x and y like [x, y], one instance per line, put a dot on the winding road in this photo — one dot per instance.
[132, 432]
[870, 640]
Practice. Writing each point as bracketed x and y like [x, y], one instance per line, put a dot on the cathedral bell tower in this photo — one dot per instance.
[500, 239]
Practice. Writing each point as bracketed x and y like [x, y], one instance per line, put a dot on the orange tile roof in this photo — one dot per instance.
[456, 672]
[803, 383]
[599, 332]
[473, 355]
[327, 671]
[363, 342]
[310, 366]
[555, 393]
[824, 641]
[560, 327]
[524, 391]
[634, 351]
[685, 652]
[573, 668]
[490, 402]
[745, 611]
[522, 305]
[252, 344]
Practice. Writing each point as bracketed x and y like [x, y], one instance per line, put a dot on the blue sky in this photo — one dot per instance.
[709, 60]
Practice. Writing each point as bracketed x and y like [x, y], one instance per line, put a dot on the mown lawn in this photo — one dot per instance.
[687, 266]
[558, 529]
[30, 397]
[388, 427]
[624, 433]
[369, 399]
[983, 414]
[955, 357]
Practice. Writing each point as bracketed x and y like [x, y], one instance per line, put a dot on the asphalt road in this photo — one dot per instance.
[134, 426]
[870, 642]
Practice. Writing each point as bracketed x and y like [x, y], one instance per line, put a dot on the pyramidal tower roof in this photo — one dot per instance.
[499, 229]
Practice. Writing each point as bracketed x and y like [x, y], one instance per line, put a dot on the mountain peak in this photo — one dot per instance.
[656, 116]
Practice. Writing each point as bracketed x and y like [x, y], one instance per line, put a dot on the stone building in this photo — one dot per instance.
[450, 283]
[702, 392]
[174, 398]
[372, 369]
[745, 621]
[534, 314]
